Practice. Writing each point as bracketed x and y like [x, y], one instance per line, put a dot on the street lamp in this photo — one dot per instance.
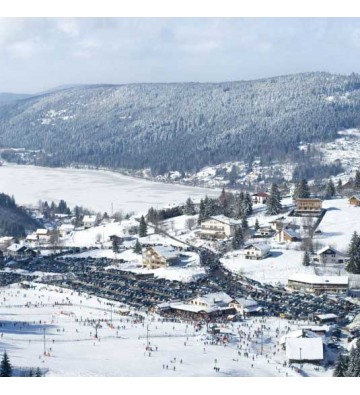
[300, 357]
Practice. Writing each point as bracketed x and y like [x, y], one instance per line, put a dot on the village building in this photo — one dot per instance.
[246, 306]
[264, 231]
[42, 234]
[320, 330]
[259, 198]
[159, 256]
[116, 238]
[287, 236]
[319, 284]
[308, 206]
[304, 349]
[326, 318]
[329, 255]
[66, 229]
[354, 200]
[300, 333]
[20, 251]
[277, 224]
[205, 307]
[6, 241]
[256, 251]
[218, 227]
[89, 221]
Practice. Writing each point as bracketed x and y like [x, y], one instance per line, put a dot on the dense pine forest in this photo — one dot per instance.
[182, 126]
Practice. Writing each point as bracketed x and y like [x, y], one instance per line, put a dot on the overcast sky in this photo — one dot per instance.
[40, 53]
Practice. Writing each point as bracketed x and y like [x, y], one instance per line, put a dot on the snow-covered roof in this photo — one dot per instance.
[5, 239]
[329, 248]
[329, 316]
[316, 328]
[320, 280]
[291, 233]
[166, 252]
[67, 227]
[264, 248]
[226, 220]
[246, 302]
[304, 349]
[215, 298]
[32, 237]
[89, 218]
[294, 334]
[41, 232]
[253, 309]
[261, 194]
[15, 247]
[357, 197]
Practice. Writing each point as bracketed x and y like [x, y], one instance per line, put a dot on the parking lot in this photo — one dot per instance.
[94, 276]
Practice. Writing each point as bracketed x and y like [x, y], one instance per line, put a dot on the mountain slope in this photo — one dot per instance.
[182, 126]
[6, 98]
[14, 221]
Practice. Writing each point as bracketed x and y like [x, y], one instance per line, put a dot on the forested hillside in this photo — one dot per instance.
[14, 221]
[182, 126]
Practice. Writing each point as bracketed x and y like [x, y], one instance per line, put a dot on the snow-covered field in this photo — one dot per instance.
[120, 349]
[338, 224]
[272, 270]
[94, 189]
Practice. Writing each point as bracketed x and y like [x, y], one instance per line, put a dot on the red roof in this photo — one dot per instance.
[261, 194]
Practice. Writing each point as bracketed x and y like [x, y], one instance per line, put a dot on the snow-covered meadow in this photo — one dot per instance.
[272, 270]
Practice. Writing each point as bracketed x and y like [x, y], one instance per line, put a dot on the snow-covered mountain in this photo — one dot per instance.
[183, 126]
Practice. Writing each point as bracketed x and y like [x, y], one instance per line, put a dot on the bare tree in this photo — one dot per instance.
[98, 238]
[54, 239]
[118, 216]
[190, 223]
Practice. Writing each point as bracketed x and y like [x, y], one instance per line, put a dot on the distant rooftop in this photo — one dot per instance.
[321, 280]
[226, 220]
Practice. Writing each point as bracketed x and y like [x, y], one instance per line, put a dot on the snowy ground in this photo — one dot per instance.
[272, 270]
[98, 234]
[338, 224]
[120, 350]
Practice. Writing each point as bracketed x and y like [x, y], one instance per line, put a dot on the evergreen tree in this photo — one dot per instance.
[137, 247]
[306, 259]
[189, 207]
[257, 226]
[142, 227]
[5, 366]
[238, 239]
[244, 224]
[248, 204]
[115, 244]
[302, 189]
[330, 190]
[353, 265]
[202, 215]
[31, 373]
[233, 176]
[273, 203]
[238, 205]
[339, 186]
[341, 366]
[38, 373]
[357, 180]
[353, 369]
